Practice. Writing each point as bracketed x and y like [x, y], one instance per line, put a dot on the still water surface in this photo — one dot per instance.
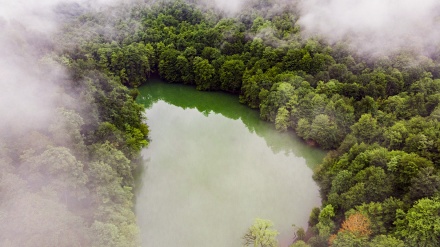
[212, 167]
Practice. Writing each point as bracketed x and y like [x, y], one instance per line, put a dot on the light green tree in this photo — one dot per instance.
[323, 131]
[326, 225]
[282, 119]
[385, 241]
[366, 129]
[299, 243]
[420, 226]
[261, 234]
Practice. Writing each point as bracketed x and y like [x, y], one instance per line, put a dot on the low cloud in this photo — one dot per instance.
[31, 82]
[28, 90]
[31, 92]
[229, 6]
[371, 27]
[375, 26]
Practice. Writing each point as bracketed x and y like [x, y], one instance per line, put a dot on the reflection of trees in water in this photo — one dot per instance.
[187, 97]
[141, 169]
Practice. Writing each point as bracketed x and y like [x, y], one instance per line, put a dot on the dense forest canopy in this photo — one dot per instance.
[68, 148]
[378, 113]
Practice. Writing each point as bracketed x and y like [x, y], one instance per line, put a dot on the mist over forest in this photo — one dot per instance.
[357, 78]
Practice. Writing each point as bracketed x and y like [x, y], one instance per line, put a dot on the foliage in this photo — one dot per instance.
[325, 225]
[261, 234]
[384, 241]
[357, 224]
[354, 231]
[299, 243]
[420, 225]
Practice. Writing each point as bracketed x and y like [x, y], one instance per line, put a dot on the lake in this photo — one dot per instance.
[213, 166]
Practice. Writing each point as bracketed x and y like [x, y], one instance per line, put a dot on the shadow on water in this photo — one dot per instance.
[187, 97]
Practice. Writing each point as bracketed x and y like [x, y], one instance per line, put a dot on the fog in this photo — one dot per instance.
[29, 80]
[375, 26]
[31, 93]
[229, 6]
[371, 27]
[23, 103]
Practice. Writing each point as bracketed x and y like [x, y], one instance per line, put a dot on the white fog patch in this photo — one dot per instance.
[35, 15]
[28, 91]
[375, 26]
[30, 82]
[31, 91]
[229, 6]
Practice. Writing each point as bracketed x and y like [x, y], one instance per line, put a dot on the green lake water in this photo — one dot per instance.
[213, 166]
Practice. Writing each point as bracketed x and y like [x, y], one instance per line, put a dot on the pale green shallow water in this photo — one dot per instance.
[212, 167]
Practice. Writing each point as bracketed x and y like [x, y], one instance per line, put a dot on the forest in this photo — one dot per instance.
[377, 115]
[66, 172]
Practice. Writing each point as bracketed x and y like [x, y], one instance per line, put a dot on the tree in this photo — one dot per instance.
[366, 105]
[204, 74]
[356, 195]
[293, 58]
[386, 241]
[251, 88]
[420, 226]
[405, 167]
[299, 243]
[435, 114]
[231, 74]
[342, 182]
[348, 239]
[185, 69]
[280, 94]
[339, 72]
[36, 219]
[168, 67]
[110, 155]
[210, 53]
[366, 129]
[381, 214]
[57, 168]
[325, 225]
[354, 231]
[306, 63]
[343, 114]
[425, 184]
[109, 235]
[395, 136]
[66, 131]
[376, 182]
[137, 62]
[134, 138]
[314, 216]
[282, 119]
[261, 234]
[323, 132]
[303, 128]
[300, 234]
[358, 224]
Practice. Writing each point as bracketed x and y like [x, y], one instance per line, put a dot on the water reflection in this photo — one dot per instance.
[186, 97]
[213, 167]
